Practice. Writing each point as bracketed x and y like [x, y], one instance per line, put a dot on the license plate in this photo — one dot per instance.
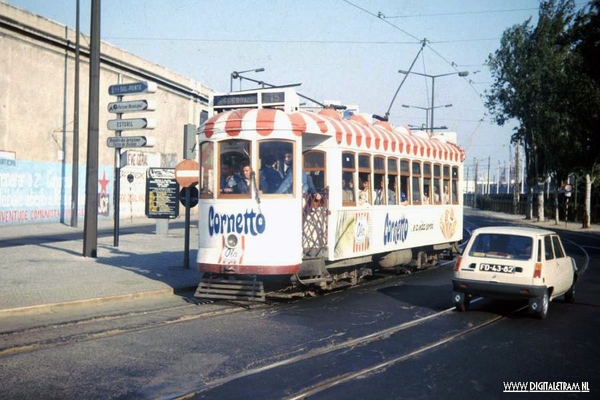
[505, 269]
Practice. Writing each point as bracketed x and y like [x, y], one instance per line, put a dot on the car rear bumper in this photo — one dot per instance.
[495, 290]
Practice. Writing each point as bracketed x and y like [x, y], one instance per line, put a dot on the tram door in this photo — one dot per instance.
[315, 204]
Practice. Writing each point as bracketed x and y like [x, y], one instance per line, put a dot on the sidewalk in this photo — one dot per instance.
[42, 265]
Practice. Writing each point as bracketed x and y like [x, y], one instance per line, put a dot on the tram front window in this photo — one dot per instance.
[233, 155]
[276, 167]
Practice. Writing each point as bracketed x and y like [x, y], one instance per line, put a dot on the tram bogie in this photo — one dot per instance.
[319, 199]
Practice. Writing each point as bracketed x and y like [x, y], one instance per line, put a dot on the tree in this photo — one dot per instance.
[529, 72]
[583, 99]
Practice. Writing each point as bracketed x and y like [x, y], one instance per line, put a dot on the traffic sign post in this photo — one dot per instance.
[119, 142]
[187, 173]
[118, 125]
[131, 106]
[130, 124]
[124, 89]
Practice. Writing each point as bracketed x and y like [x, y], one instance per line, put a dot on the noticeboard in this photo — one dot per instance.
[162, 193]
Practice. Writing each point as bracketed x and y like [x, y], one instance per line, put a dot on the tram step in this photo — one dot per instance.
[223, 289]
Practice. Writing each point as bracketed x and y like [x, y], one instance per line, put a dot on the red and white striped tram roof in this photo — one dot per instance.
[354, 132]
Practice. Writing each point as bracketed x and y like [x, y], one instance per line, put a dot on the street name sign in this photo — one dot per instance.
[125, 89]
[131, 106]
[132, 123]
[120, 142]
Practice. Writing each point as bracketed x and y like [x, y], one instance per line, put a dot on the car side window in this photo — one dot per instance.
[548, 248]
[558, 250]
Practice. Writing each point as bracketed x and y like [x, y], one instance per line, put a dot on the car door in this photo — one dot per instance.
[550, 266]
[563, 265]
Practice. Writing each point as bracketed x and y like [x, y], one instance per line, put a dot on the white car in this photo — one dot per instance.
[514, 263]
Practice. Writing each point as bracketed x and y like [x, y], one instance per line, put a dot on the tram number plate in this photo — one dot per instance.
[506, 269]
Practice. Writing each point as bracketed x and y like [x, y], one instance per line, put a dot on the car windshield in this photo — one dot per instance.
[496, 245]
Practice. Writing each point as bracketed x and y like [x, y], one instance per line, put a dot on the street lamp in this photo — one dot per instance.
[459, 73]
[427, 112]
[236, 74]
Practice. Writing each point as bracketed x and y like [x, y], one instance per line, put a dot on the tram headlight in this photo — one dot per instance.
[232, 241]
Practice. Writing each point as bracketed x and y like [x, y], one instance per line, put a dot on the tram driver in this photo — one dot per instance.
[230, 182]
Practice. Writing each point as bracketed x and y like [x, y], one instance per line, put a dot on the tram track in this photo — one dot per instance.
[324, 362]
[48, 336]
[51, 335]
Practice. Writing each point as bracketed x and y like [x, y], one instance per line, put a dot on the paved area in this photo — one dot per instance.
[42, 266]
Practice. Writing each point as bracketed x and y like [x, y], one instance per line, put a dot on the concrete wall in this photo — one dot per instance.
[37, 91]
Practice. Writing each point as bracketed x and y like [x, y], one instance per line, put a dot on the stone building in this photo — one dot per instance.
[37, 97]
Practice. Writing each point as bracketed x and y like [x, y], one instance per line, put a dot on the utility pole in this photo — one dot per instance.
[516, 190]
[90, 229]
[75, 170]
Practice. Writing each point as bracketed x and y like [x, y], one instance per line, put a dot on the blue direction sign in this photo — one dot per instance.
[132, 88]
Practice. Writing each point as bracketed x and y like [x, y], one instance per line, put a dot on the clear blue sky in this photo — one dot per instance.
[337, 49]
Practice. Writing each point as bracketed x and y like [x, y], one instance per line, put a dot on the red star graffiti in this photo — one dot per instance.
[103, 183]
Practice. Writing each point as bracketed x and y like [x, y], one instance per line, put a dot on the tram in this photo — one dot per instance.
[321, 196]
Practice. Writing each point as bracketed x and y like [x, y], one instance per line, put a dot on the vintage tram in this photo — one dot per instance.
[319, 196]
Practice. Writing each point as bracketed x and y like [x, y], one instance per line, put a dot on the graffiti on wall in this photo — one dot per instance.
[33, 191]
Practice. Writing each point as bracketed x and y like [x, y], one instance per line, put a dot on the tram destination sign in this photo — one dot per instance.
[132, 123]
[119, 107]
[124, 89]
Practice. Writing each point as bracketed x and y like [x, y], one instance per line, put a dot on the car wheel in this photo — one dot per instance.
[570, 294]
[462, 302]
[542, 311]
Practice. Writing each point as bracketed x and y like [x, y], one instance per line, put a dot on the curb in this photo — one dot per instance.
[43, 308]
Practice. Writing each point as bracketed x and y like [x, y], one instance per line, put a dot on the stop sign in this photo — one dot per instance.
[187, 173]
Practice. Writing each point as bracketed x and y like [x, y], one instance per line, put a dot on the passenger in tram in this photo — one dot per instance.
[363, 193]
[246, 178]
[230, 182]
[347, 191]
[288, 179]
[270, 177]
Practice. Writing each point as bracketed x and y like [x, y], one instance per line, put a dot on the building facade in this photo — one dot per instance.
[37, 119]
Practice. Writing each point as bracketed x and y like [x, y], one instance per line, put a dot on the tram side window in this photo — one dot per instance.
[233, 154]
[446, 185]
[364, 179]
[427, 187]
[416, 182]
[404, 182]
[392, 183]
[314, 167]
[437, 179]
[454, 185]
[276, 165]
[207, 171]
[348, 183]
[379, 195]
